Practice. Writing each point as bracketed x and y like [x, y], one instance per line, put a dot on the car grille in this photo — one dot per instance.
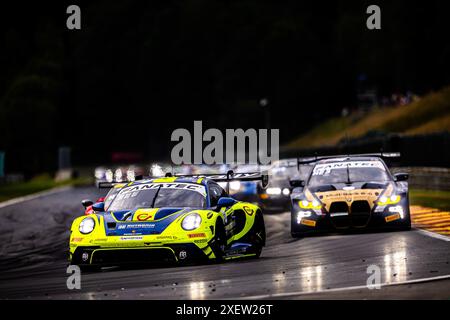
[150, 255]
[340, 222]
[358, 214]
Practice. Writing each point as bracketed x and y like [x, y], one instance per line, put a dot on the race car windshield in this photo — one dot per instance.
[159, 195]
[110, 197]
[348, 172]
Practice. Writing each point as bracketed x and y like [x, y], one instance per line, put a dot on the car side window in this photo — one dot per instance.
[215, 193]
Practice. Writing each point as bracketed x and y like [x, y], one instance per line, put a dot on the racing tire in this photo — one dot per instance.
[258, 250]
[407, 224]
[298, 234]
[259, 235]
[219, 241]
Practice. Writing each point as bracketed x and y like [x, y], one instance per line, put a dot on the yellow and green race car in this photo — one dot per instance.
[178, 219]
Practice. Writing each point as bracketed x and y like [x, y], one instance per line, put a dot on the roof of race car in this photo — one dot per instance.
[331, 160]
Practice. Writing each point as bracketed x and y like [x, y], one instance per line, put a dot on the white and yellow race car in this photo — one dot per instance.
[172, 219]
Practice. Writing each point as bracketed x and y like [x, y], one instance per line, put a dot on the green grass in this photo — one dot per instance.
[430, 198]
[428, 114]
[37, 184]
[329, 132]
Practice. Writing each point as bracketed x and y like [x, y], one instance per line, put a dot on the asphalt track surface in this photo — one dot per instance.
[34, 242]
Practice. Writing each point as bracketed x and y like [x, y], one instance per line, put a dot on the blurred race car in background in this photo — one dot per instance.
[87, 204]
[170, 219]
[349, 192]
[243, 190]
[105, 201]
[276, 197]
[118, 173]
[123, 173]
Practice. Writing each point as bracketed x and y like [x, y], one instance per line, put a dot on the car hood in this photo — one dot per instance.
[144, 221]
[357, 191]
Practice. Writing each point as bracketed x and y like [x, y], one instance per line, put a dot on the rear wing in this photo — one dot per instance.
[309, 160]
[227, 177]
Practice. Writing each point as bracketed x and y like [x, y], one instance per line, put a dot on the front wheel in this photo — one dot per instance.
[259, 239]
[298, 234]
[407, 224]
[219, 241]
[258, 250]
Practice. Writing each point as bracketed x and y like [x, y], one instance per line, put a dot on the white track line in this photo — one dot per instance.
[34, 196]
[303, 293]
[433, 235]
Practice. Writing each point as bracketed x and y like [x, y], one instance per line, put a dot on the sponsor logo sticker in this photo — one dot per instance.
[144, 216]
[136, 226]
[307, 222]
[164, 237]
[85, 256]
[248, 210]
[326, 168]
[392, 217]
[197, 235]
[131, 238]
[183, 255]
[132, 191]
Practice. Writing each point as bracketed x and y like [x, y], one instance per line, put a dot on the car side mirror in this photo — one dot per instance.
[99, 206]
[225, 202]
[401, 176]
[86, 203]
[297, 183]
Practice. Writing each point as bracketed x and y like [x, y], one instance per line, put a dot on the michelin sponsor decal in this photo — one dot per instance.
[326, 168]
[137, 226]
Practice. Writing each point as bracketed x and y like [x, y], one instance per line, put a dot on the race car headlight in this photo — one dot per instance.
[305, 204]
[273, 191]
[397, 209]
[191, 222]
[384, 201]
[286, 191]
[118, 175]
[156, 171]
[87, 225]
[99, 173]
[131, 175]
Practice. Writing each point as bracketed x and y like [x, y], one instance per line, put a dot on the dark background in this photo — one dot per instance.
[137, 70]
